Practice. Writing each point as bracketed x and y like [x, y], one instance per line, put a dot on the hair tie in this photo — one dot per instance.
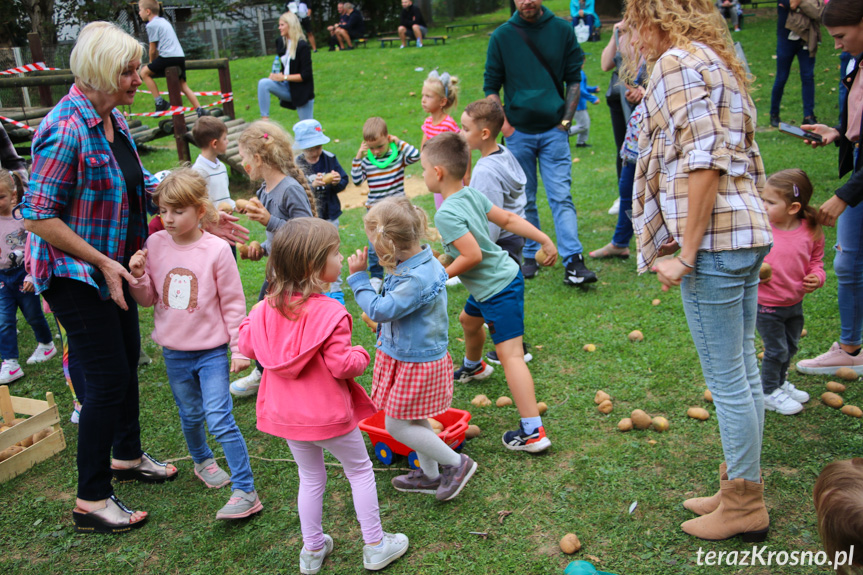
[796, 190]
[266, 135]
[380, 230]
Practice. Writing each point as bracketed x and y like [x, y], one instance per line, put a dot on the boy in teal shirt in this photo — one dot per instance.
[493, 279]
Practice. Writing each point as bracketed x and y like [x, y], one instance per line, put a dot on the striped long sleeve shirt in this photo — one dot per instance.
[385, 182]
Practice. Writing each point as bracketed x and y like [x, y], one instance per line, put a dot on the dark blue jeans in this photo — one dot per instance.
[623, 230]
[786, 50]
[12, 298]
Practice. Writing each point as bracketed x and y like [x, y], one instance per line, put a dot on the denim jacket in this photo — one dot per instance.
[411, 309]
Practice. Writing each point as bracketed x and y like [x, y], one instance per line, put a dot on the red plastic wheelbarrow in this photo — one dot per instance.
[454, 421]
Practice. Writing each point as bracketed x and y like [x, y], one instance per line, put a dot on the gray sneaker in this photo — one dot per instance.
[393, 546]
[240, 505]
[453, 478]
[416, 482]
[311, 561]
[210, 473]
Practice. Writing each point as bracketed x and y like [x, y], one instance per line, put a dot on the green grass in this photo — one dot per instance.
[592, 474]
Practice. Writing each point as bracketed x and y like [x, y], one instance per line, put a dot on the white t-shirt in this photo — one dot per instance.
[160, 31]
[299, 8]
[216, 175]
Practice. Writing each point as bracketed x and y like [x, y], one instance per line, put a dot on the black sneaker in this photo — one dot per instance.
[201, 112]
[518, 440]
[492, 356]
[577, 274]
[774, 120]
[464, 374]
[810, 120]
[162, 105]
[529, 268]
[583, 145]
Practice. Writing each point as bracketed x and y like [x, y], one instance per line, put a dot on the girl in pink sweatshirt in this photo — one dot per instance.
[308, 394]
[796, 261]
[191, 278]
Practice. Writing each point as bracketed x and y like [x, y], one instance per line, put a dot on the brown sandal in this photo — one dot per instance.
[148, 471]
[610, 251]
[113, 518]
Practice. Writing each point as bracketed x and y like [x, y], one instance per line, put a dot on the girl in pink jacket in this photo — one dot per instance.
[308, 394]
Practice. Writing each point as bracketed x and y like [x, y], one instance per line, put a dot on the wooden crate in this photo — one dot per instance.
[41, 414]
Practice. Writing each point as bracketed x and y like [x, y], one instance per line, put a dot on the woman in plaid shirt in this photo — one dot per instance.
[697, 185]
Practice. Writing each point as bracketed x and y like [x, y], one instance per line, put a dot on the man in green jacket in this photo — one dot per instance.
[538, 115]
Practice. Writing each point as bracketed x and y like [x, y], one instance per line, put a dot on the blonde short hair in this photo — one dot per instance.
[186, 188]
[101, 53]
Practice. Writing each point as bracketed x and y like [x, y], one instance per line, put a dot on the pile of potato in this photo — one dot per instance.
[639, 419]
[832, 398]
[603, 402]
[24, 443]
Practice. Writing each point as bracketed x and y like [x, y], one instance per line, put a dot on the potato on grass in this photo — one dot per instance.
[835, 387]
[472, 431]
[542, 407]
[503, 401]
[708, 396]
[605, 407]
[640, 419]
[600, 397]
[656, 302]
[625, 424]
[831, 399]
[570, 544]
[847, 374]
[481, 400]
[636, 335]
[660, 424]
[698, 413]
[852, 410]
[589, 347]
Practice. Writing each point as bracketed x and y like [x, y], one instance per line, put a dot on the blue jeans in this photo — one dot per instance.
[376, 270]
[848, 265]
[623, 230]
[785, 51]
[12, 298]
[282, 90]
[720, 299]
[551, 150]
[199, 382]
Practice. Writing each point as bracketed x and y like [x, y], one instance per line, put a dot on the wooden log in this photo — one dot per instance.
[148, 135]
[26, 114]
[37, 81]
[211, 64]
[232, 123]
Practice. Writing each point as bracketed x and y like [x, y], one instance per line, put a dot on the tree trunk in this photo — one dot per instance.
[42, 19]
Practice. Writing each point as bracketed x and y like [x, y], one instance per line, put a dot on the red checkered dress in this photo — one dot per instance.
[406, 390]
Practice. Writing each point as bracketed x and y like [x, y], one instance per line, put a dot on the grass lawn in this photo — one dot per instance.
[585, 484]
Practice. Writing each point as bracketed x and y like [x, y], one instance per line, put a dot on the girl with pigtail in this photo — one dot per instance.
[267, 154]
[440, 93]
[412, 378]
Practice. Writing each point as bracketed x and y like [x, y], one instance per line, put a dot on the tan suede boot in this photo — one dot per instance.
[741, 512]
[705, 505]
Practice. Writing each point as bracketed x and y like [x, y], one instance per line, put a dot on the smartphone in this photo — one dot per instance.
[798, 133]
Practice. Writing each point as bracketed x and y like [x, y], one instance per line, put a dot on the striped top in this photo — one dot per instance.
[385, 182]
[431, 129]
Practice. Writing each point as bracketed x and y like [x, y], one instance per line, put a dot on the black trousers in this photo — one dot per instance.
[780, 329]
[106, 341]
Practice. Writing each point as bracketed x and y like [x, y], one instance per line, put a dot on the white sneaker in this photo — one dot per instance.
[393, 546]
[615, 208]
[781, 403]
[453, 281]
[10, 371]
[377, 284]
[311, 561]
[248, 385]
[797, 395]
[43, 352]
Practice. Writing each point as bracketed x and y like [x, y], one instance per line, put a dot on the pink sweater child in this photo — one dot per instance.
[794, 255]
[196, 291]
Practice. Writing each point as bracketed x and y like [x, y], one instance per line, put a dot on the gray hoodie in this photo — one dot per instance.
[500, 178]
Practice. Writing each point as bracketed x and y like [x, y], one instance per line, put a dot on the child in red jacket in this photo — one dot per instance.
[308, 394]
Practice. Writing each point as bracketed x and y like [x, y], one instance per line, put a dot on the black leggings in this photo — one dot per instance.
[106, 341]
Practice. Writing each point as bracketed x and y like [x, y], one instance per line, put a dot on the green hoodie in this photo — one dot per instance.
[532, 102]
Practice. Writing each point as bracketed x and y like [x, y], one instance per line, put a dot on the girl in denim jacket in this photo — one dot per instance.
[412, 378]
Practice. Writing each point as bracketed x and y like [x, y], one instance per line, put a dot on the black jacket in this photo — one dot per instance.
[851, 192]
[301, 92]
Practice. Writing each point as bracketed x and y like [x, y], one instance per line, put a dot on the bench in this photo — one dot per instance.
[452, 27]
[392, 39]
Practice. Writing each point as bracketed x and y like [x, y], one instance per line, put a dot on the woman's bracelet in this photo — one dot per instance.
[685, 263]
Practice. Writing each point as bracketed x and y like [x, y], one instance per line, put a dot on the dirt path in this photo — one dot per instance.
[355, 196]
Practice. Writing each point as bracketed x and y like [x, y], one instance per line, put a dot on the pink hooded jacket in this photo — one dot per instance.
[307, 392]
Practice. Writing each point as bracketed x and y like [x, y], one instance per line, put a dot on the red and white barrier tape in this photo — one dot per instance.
[215, 93]
[27, 68]
[17, 124]
[182, 109]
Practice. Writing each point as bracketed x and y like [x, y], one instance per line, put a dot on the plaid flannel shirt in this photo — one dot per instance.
[697, 118]
[76, 178]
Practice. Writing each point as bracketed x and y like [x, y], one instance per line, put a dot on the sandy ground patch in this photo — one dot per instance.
[355, 196]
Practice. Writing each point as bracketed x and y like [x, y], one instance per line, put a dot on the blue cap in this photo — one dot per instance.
[308, 134]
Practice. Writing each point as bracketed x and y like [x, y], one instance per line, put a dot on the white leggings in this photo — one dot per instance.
[419, 436]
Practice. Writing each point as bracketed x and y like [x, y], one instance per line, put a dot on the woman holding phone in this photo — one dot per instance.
[844, 21]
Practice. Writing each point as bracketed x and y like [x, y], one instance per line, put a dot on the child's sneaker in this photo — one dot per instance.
[493, 358]
[453, 478]
[796, 394]
[781, 403]
[416, 482]
[453, 281]
[162, 105]
[240, 505]
[143, 358]
[76, 413]
[311, 561]
[10, 371]
[211, 474]
[43, 352]
[466, 374]
[393, 546]
[248, 385]
[520, 441]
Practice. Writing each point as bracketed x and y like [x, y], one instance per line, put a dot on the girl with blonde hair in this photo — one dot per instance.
[697, 185]
[291, 78]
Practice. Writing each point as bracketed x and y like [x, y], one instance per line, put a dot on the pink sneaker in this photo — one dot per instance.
[828, 363]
